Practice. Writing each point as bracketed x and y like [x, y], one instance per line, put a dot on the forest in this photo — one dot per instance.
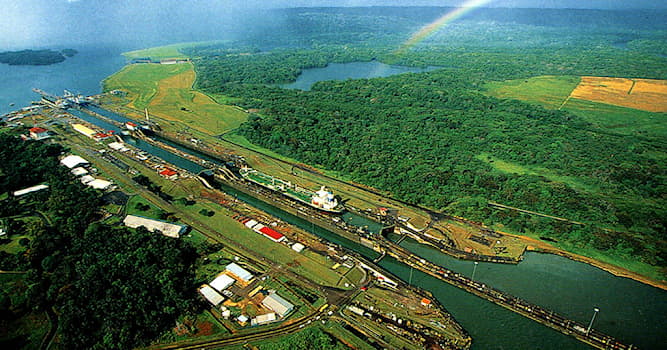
[111, 287]
[35, 57]
[430, 138]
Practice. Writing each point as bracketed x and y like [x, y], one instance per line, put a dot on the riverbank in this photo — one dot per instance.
[538, 246]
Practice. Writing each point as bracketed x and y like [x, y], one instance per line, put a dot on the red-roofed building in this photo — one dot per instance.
[101, 136]
[131, 126]
[38, 133]
[272, 234]
[169, 174]
[426, 302]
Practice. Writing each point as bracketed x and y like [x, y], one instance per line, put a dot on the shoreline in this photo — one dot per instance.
[537, 246]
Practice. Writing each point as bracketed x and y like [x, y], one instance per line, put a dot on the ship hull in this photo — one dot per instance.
[337, 210]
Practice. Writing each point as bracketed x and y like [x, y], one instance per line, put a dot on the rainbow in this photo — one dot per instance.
[432, 27]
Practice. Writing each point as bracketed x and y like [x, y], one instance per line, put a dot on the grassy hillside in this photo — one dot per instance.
[166, 90]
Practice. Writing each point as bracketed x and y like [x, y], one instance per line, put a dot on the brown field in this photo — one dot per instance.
[644, 94]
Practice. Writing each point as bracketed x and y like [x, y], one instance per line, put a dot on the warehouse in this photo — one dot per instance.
[263, 319]
[222, 282]
[167, 229]
[239, 272]
[99, 184]
[276, 303]
[211, 295]
[73, 161]
[30, 189]
[84, 130]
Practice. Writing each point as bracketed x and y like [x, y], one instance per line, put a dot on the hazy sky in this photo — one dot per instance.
[39, 23]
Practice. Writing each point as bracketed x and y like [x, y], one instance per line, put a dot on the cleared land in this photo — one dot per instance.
[166, 90]
[548, 90]
[643, 94]
[552, 91]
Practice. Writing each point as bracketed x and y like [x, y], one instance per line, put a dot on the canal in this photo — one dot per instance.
[633, 312]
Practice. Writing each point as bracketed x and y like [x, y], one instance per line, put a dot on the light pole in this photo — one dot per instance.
[473, 270]
[590, 325]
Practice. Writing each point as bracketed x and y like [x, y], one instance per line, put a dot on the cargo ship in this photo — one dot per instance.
[323, 199]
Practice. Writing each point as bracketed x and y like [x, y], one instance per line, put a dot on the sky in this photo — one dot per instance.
[43, 23]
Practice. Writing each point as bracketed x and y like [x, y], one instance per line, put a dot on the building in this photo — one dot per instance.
[73, 161]
[272, 234]
[263, 319]
[222, 282]
[211, 295]
[425, 302]
[99, 184]
[86, 179]
[38, 133]
[118, 146]
[169, 174]
[30, 189]
[242, 319]
[86, 131]
[167, 229]
[298, 247]
[276, 303]
[239, 272]
[131, 126]
[79, 171]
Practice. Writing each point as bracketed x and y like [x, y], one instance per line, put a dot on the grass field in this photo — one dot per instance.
[166, 90]
[515, 168]
[140, 81]
[549, 91]
[160, 52]
[620, 120]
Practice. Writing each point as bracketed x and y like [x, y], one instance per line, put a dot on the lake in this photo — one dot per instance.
[352, 70]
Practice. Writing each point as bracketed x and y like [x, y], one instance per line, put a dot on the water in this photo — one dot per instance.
[82, 73]
[142, 145]
[353, 70]
[629, 310]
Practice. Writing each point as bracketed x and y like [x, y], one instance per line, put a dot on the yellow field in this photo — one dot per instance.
[644, 94]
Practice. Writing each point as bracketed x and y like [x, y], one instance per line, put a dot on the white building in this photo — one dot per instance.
[30, 189]
[276, 303]
[298, 247]
[239, 272]
[99, 184]
[211, 295]
[118, 146]
[263, 319]
[73, 161]
[222, 282]
[78, 171]
[167, 229]
[86, 179]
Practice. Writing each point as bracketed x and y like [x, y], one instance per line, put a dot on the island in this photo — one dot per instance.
[35, 57]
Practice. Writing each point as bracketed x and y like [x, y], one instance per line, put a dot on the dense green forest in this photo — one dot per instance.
[429, 138]
[112, 288]
[35, 57]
